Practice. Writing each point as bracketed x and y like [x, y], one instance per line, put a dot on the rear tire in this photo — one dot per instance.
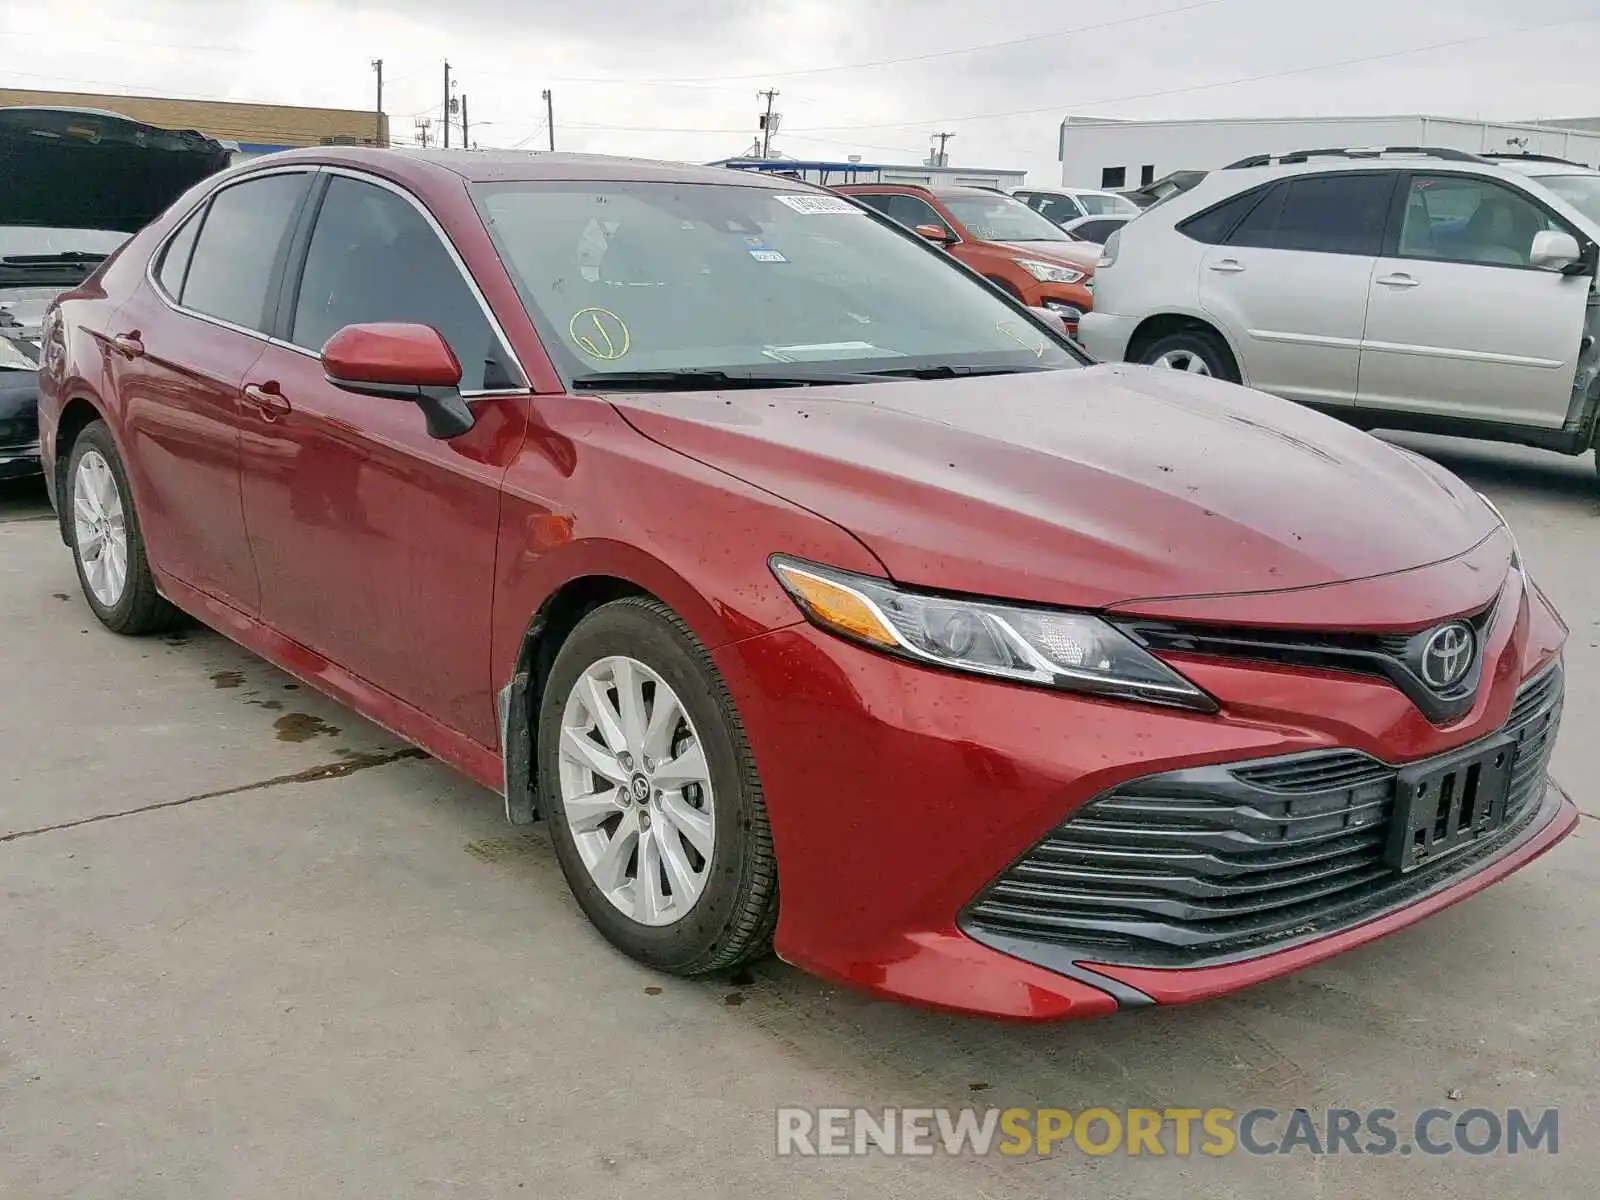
[107, 546]
[678, 875]
[1193, 351]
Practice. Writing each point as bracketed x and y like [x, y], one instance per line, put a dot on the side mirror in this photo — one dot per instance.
[1053, 319]
[1554, 251]
[934, 233]
[396, 361]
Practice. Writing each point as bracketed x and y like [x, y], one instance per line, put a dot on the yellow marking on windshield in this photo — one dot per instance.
[601, 334]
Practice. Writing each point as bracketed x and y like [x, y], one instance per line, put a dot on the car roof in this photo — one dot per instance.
[491, 166]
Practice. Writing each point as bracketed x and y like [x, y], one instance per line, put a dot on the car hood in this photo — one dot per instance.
[76, 169]
[1073, 254]
[1085, 488]
[22, 310]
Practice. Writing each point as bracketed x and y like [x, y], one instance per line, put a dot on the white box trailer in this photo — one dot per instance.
[1099, 153]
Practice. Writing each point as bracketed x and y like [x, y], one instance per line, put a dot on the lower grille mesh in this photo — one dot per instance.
[1217, 861]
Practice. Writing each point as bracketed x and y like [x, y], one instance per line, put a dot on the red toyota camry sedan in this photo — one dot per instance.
[817, 595]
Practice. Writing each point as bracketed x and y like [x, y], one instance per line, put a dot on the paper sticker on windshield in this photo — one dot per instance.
[816, 206]
[767, 256]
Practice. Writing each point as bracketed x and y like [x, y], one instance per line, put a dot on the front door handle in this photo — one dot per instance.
[1228, 266]
[267, 399]
[1400, 280]
[128, 345]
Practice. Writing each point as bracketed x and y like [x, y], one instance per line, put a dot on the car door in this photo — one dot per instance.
[183, 347]
[1289, 283]
[374, 541]
[1459, 322]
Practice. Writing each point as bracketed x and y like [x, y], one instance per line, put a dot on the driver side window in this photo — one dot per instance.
[1465, 219]
[374, 257]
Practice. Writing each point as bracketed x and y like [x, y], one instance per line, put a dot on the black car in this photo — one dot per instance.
[74, 184]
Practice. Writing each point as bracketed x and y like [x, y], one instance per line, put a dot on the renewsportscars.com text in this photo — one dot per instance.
[1178, 1132]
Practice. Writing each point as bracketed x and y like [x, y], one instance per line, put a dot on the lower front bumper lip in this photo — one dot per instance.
[1556, 818]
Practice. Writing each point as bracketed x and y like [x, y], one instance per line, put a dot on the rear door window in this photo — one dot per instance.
[231, 270]
[375, 257]
[1324, 214]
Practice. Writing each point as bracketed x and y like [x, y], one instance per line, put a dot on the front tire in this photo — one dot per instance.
[107, 545]
[1195, 352]
[655, 808]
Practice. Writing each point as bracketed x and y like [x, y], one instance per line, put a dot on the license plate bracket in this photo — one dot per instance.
[1441, 807]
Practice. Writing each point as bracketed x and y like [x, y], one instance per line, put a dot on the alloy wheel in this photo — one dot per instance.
[100, 528]
[1182, 360]
[636, 791]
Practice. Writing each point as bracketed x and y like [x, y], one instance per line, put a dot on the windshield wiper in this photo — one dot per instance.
[704, 380]
[948, 371]
[68, 258]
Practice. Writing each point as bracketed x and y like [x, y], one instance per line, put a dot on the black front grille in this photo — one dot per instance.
[1390, 656]
[1216, 862]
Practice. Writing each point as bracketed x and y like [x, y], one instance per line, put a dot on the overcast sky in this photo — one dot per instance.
[678, 78]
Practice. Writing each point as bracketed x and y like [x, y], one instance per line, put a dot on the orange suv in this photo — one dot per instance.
[1002, 239]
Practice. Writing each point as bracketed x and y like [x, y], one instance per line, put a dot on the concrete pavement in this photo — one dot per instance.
[302, 961]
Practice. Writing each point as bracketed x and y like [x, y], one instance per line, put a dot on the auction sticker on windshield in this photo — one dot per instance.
[816, 206]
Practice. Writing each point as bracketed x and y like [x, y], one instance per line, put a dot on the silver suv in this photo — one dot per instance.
[1406, 288]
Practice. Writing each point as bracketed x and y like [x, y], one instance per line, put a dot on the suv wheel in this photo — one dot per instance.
[655, 808]
[1194, 351]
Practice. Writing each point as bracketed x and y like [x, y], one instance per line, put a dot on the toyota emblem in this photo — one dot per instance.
[1447, 656]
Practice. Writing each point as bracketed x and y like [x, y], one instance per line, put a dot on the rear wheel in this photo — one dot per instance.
[1194, 352]
[655, 808]
[106, 542]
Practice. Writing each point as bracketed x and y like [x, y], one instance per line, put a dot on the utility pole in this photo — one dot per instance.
[466, 142]
[940, 158]
[550, 117]
[447, 104]
[768, 122]
[377, 133]
[424, 126]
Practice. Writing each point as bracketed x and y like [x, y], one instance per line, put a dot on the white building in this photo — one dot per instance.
[1100, 153]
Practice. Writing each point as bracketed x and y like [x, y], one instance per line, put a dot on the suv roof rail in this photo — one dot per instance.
[1524, 156]
[1300, 156]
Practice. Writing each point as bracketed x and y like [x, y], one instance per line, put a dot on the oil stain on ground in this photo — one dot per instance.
[509, 849]
[302, 727]
[228, 679]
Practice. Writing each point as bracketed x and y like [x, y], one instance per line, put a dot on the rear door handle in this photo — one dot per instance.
[1400, 280]
[128, 345]
[1228, 266]
[267, 399]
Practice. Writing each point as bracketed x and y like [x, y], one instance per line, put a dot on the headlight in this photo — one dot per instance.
[1046, 647]
[1049, 272]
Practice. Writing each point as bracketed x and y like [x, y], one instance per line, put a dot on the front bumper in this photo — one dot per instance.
[899, 796]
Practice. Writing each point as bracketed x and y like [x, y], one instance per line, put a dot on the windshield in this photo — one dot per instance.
[31, 239]
[631, 277]
[1107, 206]
[1002, 219]
[1580, 191]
